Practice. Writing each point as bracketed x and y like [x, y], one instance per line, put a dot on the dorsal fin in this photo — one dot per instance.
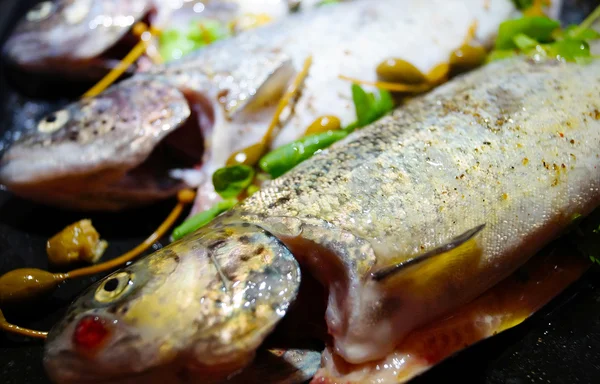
[385, 272]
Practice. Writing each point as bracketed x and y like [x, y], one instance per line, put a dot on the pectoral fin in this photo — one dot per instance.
[394, 269]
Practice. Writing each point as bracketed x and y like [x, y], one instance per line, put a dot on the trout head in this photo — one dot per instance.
[203, 304]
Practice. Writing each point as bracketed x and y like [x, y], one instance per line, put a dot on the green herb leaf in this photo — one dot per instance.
[286, 157]
[385, 104]
[231, 181]
[524, 42]
[500, 54]
[569, 50]
[362, 104]
[577, 33]
[207, 31]
[176, 43]
[202, 218]
[538, 28]
[370, 107]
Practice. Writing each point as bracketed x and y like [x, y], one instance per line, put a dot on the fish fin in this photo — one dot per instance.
[461, 239]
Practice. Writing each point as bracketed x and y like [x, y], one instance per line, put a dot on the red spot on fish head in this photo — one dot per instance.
[90, 333]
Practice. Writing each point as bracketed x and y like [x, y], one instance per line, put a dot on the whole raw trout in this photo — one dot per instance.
[83, 39]
[174, 125]
[401, 222]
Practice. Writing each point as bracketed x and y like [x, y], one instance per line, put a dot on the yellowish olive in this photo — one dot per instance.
[467, 57]
[248, 156]
[400, 71]
[26, 283]
[323, 124]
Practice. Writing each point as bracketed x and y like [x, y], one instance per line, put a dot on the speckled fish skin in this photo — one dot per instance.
[240, 80]
[200, 306]
[513, 146]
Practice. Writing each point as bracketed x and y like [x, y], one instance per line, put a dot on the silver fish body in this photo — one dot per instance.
[233, 87]
[512, 146]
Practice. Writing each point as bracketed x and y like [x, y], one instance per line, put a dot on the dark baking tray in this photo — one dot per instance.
[560, 344]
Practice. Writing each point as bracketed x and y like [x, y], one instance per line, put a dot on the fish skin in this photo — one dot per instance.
[395, 189]
[241, 79]
[185, 307]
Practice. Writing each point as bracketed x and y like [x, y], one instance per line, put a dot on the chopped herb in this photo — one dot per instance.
[538, 28]
[577, 33]
[202, 218]
[233, 180]
[540, 37]
[176, 43]
[524, 42]
[286, 157]
[500, 54]
[370, 107]
[570, 50]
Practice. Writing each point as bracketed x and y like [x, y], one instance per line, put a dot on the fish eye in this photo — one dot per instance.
[114, 287]
[53, 121]
[40, 12]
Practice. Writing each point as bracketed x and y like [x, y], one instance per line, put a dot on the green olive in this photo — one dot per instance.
[400, 71]
[26, 283]
[323, 124]
[467, 57]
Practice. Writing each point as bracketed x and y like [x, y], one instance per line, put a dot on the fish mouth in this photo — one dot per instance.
[176, 161]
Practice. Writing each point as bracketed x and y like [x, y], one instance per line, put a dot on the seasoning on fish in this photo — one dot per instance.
[445, 166]
[231, 91]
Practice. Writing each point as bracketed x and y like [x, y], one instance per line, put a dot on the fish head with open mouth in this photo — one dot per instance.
[205, 304]
[77, 38]
[147, 137]
[102, 152]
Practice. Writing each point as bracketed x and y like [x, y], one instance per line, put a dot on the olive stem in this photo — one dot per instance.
[26, 283]
[392, 87]
[184, 197]
[137, 51]
[11, 328]
[259, 149]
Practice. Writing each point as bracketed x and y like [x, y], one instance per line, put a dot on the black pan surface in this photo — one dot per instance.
[560, 344]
